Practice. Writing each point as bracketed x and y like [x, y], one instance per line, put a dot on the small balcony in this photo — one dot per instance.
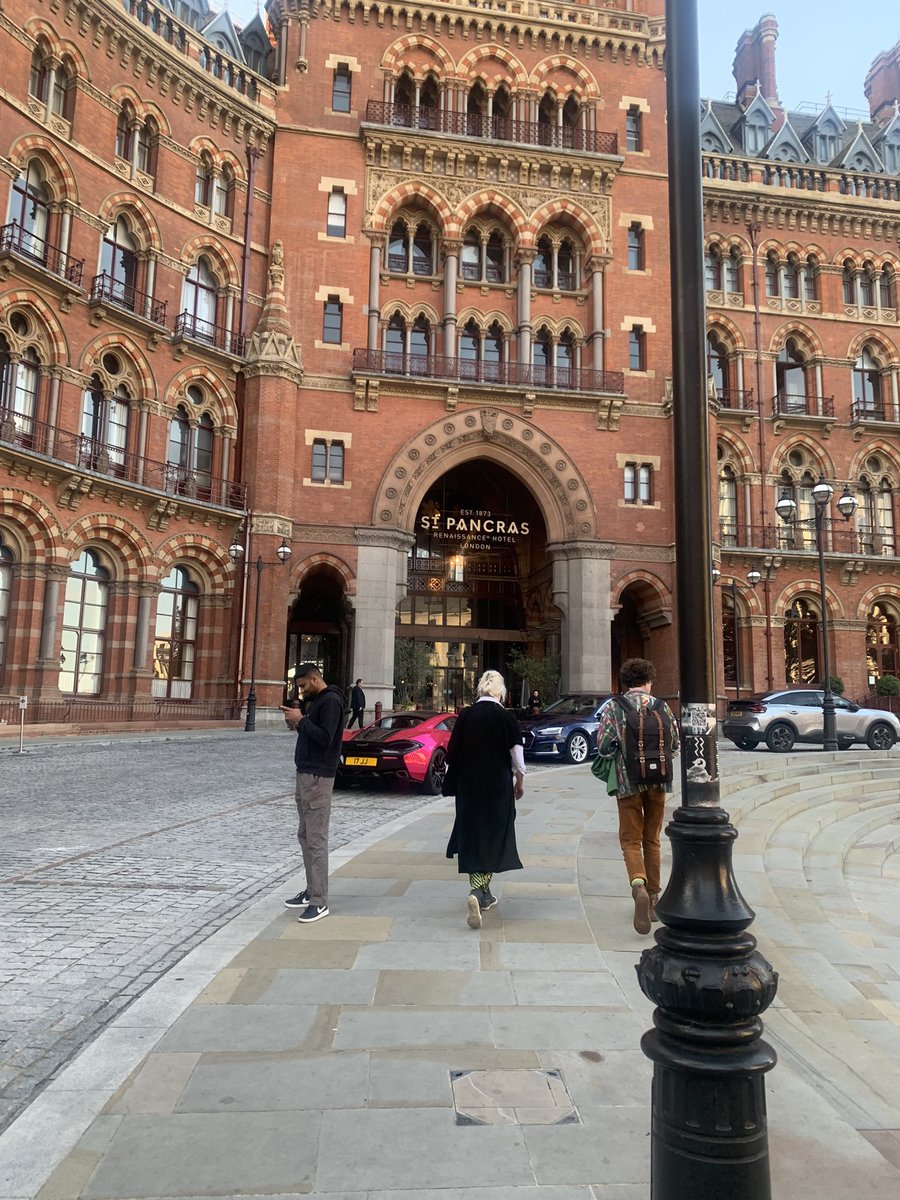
[840, 538]
[16, 240]
[502, 374]
[784, 404]
[735, 400]
[565, 280]
[88, 454]
[195, 329]
[105, 287]
[871, 410]
[495, 129]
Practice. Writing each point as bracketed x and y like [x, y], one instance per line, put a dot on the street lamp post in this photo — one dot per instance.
[236, 553]
[786, 507]
[753, 578]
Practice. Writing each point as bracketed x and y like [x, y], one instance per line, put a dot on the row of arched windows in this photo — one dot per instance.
[795, 277]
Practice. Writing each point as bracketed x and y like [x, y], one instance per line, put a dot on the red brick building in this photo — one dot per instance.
[392, 288]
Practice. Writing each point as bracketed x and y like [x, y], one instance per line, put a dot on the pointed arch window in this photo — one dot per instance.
[404, 101]
[542, 357]
[495, 259]
[886, 290]
[875, 517]
[423, 251]
[801, 534]
[801, 643]
[6, 578]
[565, 267]
[105, 424]
[502, 115]
[124, 132]
[492, 353]
[811, 278]
[175, 636]
[84, 626]
[773, 274]
[547, 120]
[470, 259]
[203, 180]
[730, 635]
[147, 141]
[571, 112]
[429, 104]
[733, 271]
[543, 264]
[118, 263]
[713, 269]
[867, 393]
[29, 209]
[719, 368]
[38, 79]
[20, 391]
[419, 344]
[867, 285]
[790, 379]
[791, 277]
[476, 110]
[848, 282]
[728, 506]
[398, 248]
[223, 193]
[189, 458]
[199, 301]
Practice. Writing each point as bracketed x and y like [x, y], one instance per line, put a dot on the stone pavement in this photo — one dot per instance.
[390, 1053]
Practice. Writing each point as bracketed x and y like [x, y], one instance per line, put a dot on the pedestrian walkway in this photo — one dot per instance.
[391, 1053]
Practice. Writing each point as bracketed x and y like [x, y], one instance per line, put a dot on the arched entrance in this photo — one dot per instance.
[319, 624]
[478, 587]
[642, 628]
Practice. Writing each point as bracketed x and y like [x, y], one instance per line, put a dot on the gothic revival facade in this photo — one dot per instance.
[391, 288]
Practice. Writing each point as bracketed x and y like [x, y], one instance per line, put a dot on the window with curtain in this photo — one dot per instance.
[29, 202]
[175, 637]
[84, 626]
[728, 506]
[867, 386]
[638, 483]
[336, 224]
[199, 299]
[105, 421]
[6, 575]
[118, 261]
[223, 192]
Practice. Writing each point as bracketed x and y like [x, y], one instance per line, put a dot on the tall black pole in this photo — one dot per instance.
[709, 1136]
[250, 722]
[829, 723]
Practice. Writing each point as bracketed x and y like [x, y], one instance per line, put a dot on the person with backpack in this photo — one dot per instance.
[636, 741]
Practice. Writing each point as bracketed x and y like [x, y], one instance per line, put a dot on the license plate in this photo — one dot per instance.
[361, 762]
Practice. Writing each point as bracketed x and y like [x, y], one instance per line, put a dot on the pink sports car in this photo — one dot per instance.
[405, 745]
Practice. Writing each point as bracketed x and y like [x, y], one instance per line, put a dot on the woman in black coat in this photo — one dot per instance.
[485, 750]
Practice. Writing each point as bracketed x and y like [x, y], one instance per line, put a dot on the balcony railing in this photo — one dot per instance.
[16, 240]
[565, 280]
[198, 330]
[864, 410]
[786, 405]
[124, 295]
[839, 538]
[95, 710]
[735, 400]
[493, 273]
[89, 454]
[496, 129]
[465, 370]
[400, 265]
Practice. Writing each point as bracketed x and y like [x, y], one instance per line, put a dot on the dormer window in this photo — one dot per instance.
[826, 145]
[756, 134]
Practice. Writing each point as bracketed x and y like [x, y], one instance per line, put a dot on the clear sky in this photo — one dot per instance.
[821, 46]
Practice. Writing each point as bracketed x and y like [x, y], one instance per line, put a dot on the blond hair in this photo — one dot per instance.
[492, 684]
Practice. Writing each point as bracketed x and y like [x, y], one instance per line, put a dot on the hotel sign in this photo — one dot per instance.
[473, 528]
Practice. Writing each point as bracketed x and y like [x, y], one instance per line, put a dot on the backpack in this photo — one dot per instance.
[647, 751]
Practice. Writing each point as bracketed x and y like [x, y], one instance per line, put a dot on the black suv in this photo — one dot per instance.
[567, 729]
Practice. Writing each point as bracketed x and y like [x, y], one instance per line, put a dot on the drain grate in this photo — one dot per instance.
[513, 1097]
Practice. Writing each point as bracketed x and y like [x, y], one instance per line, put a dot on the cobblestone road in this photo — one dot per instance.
[117, 857]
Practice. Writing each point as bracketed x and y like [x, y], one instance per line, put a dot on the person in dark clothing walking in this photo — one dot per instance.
[535, 703]
[484, 753]
[357, 704]
[316, 756]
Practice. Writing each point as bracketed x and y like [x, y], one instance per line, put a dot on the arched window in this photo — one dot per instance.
[38, 79]
[713, 269]
[542, 357]
[84, 626]
[495, 259]
[429, 104]
[565, 268]
[18, 397]
[790, 379]
[800, 535]
[730, 635]
[61, 92]
[773, 274]
[203, 180]
[848, 282]
[105, 420]
[503, 112]
[875, 512]
[175, 638]
[476, 110]
[733, 271]
[124, 132]
[6, 574]
[198, 301]
[570, 114]
[719, 368]
[419, 347]
[811, 278]
[492, 353]
[468, 347]
[29, 209]
[886, 288]
[792, 278]
[867, 285]
[547, 120]
[395, 343]
[398, 248]
[867, 395]
[543, 264]
[882, 651]
[223, 192]
[404, 100]
[801, 643]
[423, 251]
[147, 141]
[470, 260]
[118, 264]
[407, 347]
[728, 510]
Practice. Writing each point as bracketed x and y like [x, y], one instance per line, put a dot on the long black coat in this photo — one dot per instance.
[484, 834]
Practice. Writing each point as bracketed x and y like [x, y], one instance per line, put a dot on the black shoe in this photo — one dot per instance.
[314, 913]
[299, 901]
[487, 900]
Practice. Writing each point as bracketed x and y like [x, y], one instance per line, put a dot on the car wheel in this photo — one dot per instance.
[746, 743]
[880, 737]
[577, 747]
[780, 737]
[434, 776]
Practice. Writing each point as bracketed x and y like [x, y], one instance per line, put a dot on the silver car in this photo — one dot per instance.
[782, 718]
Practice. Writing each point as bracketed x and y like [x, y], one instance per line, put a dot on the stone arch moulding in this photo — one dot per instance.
[508, 440]
[312, 562]
[876, 594]
[808, 589]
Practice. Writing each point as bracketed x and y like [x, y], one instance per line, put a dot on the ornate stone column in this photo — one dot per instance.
[581, 579]
[525, 259]
[451, 274]
[381, 583]
[376, 250]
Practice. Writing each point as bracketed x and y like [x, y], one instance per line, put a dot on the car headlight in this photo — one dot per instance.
[552, 731]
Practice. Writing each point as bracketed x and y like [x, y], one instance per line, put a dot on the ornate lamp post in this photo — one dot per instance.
[753, 578]
[786, 507]
[236, 553]
[709, 984]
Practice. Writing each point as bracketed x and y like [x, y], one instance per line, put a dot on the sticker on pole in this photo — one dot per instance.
[23, 703]
[698, 720]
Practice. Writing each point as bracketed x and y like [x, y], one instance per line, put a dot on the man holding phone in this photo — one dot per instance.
[316, 757]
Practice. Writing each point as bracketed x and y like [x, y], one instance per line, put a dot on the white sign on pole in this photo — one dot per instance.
[23, 702]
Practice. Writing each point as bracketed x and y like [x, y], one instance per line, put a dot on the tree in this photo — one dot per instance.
[887, 685]
[412, 667]
[540, 673]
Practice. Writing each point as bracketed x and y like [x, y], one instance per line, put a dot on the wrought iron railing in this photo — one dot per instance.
[565, 280]
[839, 538]
[733, 398]
[96, 710]
[198, 330]
[89, 454]
[866, 410]
[786, 405]
[466, 370]
[125, 295]
[14, 239]
[497, 129]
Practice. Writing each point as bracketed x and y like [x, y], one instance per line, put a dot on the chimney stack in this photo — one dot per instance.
[754, 61]
[882, 85]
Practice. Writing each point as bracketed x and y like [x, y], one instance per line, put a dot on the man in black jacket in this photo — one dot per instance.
[357, 704]
[316, 756]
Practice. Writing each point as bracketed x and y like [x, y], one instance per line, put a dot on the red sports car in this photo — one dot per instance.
[405, 745]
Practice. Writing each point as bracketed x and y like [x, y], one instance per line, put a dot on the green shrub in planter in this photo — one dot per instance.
[887, 685]
[837, 685]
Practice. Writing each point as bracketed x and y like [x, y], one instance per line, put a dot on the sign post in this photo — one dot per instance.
[23, 704]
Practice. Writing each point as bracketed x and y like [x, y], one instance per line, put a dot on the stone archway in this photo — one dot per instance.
[581, 563]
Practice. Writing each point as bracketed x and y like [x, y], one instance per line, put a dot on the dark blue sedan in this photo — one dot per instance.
[567, 729]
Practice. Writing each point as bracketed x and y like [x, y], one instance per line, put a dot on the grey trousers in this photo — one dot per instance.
[313, 796]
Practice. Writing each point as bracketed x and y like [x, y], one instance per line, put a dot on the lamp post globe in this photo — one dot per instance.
[235, 551]
[753, 577]
[822, 492]
[847, 504]
[786, 507]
